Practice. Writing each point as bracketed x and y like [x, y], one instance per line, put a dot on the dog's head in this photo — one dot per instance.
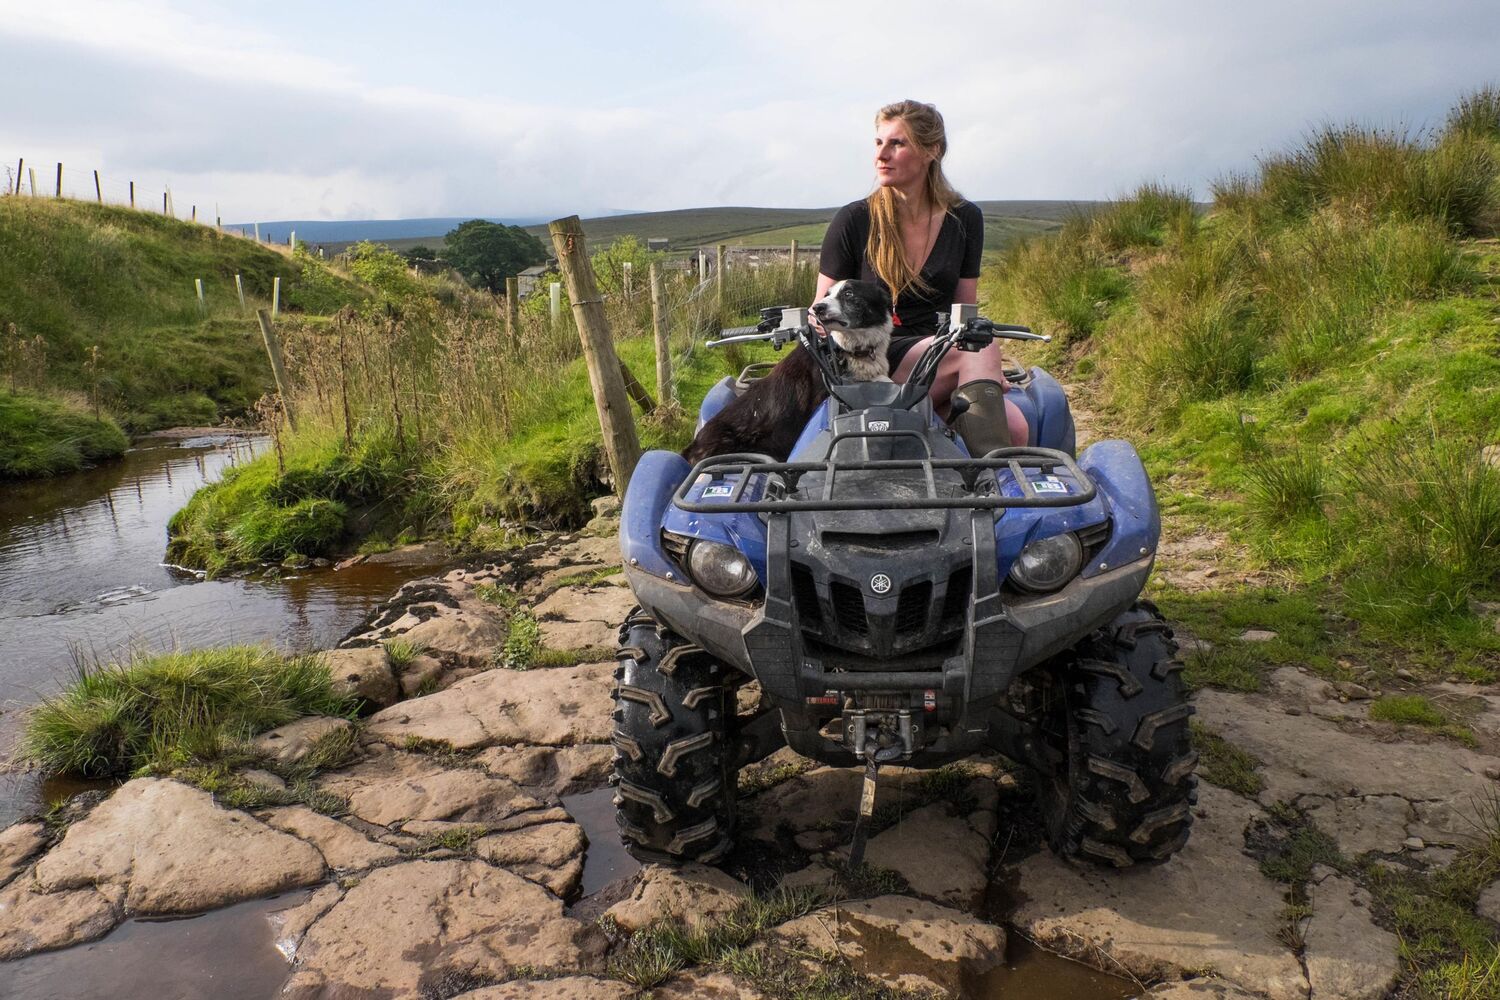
[855, 306]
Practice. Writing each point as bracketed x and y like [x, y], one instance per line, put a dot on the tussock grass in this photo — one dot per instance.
[1224, 764]
[43, 436]
[166, 710]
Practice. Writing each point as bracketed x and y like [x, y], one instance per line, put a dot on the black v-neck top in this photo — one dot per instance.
[955, 254]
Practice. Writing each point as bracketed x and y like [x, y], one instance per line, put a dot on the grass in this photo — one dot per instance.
[400, 652]
[158, 712]
[523, 642]
[1226, 765]
[47, 435]
[100, 300]
[1418, 710]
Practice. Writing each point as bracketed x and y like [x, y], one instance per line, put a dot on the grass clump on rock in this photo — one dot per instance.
[161, 711]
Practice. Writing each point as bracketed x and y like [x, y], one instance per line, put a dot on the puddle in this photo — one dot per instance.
[1031, 973]
[229, 954]
[606, 859]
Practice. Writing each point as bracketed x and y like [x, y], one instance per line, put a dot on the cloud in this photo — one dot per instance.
[707, 105]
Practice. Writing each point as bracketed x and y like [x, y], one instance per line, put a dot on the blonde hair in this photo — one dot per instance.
[884, 248]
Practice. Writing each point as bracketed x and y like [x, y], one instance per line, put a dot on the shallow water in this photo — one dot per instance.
[229, 954]
[81, 574]
[605, 859]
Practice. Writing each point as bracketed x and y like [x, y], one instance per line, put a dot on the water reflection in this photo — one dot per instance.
[81, 574]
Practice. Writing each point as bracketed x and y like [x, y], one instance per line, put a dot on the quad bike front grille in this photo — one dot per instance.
[849, 609]
[956, 601]
[911, 611]
[805, 596]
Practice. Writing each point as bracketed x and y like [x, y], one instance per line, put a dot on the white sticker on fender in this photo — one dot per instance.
[718, 491]
[1049, 484]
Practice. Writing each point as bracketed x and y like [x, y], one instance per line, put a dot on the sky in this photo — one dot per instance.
[378, 109]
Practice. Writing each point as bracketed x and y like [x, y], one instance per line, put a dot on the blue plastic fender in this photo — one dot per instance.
[1117, 470]
[716, 399]
[743, 531]
[647, 498]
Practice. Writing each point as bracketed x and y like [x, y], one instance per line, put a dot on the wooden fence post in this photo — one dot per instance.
[195, 213]
[663, 343]
[278, 370]
[59, 181]
[276, 296]
[239, 288]
[164, 203]
[132, 194]
[513, 309]
[616, 422]
[20, 162]
[98, 190]
[719, 279]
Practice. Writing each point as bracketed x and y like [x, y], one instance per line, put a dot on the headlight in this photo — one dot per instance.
[1048, 563]
[720, 569]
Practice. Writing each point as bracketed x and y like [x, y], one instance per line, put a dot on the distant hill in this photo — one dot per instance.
[685, 227]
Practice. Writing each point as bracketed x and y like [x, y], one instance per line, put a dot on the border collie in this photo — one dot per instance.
[770, 415]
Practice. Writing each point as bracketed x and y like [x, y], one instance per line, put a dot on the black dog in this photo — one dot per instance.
[770, 415]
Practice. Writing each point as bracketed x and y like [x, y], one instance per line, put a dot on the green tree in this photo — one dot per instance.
[609, 265]
[487, 253]
[421, 252]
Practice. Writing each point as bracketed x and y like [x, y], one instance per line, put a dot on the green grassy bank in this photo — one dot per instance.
[98, 303]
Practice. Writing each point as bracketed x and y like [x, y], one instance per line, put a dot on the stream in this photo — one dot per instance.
[82, 578]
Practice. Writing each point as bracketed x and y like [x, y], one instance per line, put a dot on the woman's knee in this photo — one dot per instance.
[1015, 420]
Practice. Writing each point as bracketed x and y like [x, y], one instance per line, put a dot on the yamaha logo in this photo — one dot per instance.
[880, 425]
[880, 583]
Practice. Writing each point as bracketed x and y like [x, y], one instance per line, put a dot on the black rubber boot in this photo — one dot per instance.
[982, 423]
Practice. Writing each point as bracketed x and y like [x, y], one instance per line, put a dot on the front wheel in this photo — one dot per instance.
[1122, 788]
[674, 759]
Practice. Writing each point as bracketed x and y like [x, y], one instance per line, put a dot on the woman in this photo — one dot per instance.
[922, 240]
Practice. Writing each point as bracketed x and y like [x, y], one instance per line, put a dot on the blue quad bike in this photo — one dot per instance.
[899, 600]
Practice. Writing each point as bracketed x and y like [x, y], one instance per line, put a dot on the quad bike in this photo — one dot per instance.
[900, 601]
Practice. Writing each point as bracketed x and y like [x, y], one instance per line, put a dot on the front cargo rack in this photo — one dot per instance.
[977, 475]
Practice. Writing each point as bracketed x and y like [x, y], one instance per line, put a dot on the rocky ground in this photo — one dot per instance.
[437, 856]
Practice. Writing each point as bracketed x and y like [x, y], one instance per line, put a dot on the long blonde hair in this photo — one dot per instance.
[884, 248]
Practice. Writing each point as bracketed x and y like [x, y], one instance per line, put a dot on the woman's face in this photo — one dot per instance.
[898, 163]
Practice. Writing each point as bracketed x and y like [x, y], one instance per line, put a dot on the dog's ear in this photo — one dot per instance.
[882, 299]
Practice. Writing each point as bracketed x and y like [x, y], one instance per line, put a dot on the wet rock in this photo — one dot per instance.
[550, 854]
[814, 876]
[290, 743]
[1361, 824]
[363, 674]
[17, 844]
[1207, 906]
[341, 846]
[561, 707]
[567, 988]
[33, 921]
[942, 856]
[176, 852]
[706, 986]
[411, 925]
[401, 788]
[824, 798]
[1343, 763]
[351, 561]
[556, 770]
[693, 894]
[1347, 956]
[909, 943]
[289, 925]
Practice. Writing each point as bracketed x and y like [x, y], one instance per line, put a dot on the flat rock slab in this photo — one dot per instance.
[466, 636]
[910, 943]
[404, 928]
[694, 895]
[17, 844]
[560, 707]
[33, 921]
[600, 604]
[701, 985]
[1445, 783]
[1206, 907]
[942, 855]
[549, 854]
[342, 847]
[1362, 823]
[292, 742]
[1200, 989]
[555, 770]
[175, 851]
[364, 674]
[398, 789]
[1347, 956]
[567, 988]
